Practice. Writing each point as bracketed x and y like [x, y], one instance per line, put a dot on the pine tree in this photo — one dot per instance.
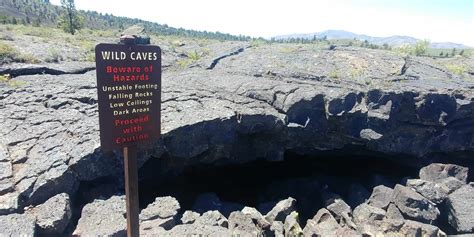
[70, 21]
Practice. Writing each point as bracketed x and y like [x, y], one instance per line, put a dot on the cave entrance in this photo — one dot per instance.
[349, 172]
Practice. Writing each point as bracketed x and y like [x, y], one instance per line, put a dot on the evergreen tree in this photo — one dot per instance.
[70, 21]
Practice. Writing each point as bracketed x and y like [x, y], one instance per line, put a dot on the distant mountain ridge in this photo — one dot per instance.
[391, 40]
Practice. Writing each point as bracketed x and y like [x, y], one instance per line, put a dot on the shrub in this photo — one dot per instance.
[456, 69]
[421, 47]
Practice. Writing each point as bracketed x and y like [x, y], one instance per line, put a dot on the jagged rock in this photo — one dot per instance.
[381, 197]
[241, 224]
[17, 69]
[281, 210]
[413, 228]
[198, 230]
[434, 192]
[53, 216]
[461, 209]
[414, 205]
[17, 225]
[103, 217]
[257, 218]
[8, 203]
[342, 212]
[277, 229]
[393, 212]
[291, 225]
[189, 217]
[451, 184]
[162, 212]
[212, 218]
[436, 172]
[365, 213]
[227, 107]
[322, 224]
[357, 194]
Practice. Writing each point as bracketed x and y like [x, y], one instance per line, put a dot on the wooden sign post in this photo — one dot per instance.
[129, 95]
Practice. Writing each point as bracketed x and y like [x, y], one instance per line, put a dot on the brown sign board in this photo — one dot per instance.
[129, 94]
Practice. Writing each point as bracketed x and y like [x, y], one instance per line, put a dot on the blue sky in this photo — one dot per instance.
[436, 20]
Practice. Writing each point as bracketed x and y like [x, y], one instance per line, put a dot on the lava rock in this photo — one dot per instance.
[281, 210]
[393, 213]
[189, 217]
[322, 224]
[414, 205]
[381, 197]
[461, 209]
[162, 212]
[257, 218]
[436, 172]
[342, 212]
[103, 217]
[53, 216]
[198, 230]
[17, 225]
[291, 225]
[365, 213]
[413, 228]
[212, 218]
[241, 224]
[277, 229]
[434, 192]
[8, 203]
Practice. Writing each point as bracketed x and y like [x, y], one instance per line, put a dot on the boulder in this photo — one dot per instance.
[461, 209]
[435, 192]
[162, 213]
[292, 226]
[342, 212]
[322, 224]
[414, 205]
[437, 171]
[212, 218]
[381, 197]
[189, 217]
[365, 213]
[198, 230]
[53, 216]
[277, 229]
[393, 213]
[103, 217]
[17, 225]
[257, 217]
[241, 224]
[281, 210]
[413, 228]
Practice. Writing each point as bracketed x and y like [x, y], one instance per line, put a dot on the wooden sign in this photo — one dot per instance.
[129, 87]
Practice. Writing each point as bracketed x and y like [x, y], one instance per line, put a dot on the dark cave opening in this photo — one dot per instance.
[349, 172]
[259, 182]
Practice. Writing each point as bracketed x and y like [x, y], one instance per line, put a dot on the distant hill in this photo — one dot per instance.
[391, 40]
[41, 12]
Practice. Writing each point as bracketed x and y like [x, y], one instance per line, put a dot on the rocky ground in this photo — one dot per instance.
[234, 103]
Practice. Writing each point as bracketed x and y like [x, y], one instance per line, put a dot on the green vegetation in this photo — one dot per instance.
[42, 13]
[70, 20]
[12, 83]
[421, 47]
[456, 69]
[9, 54]
[334, 74]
